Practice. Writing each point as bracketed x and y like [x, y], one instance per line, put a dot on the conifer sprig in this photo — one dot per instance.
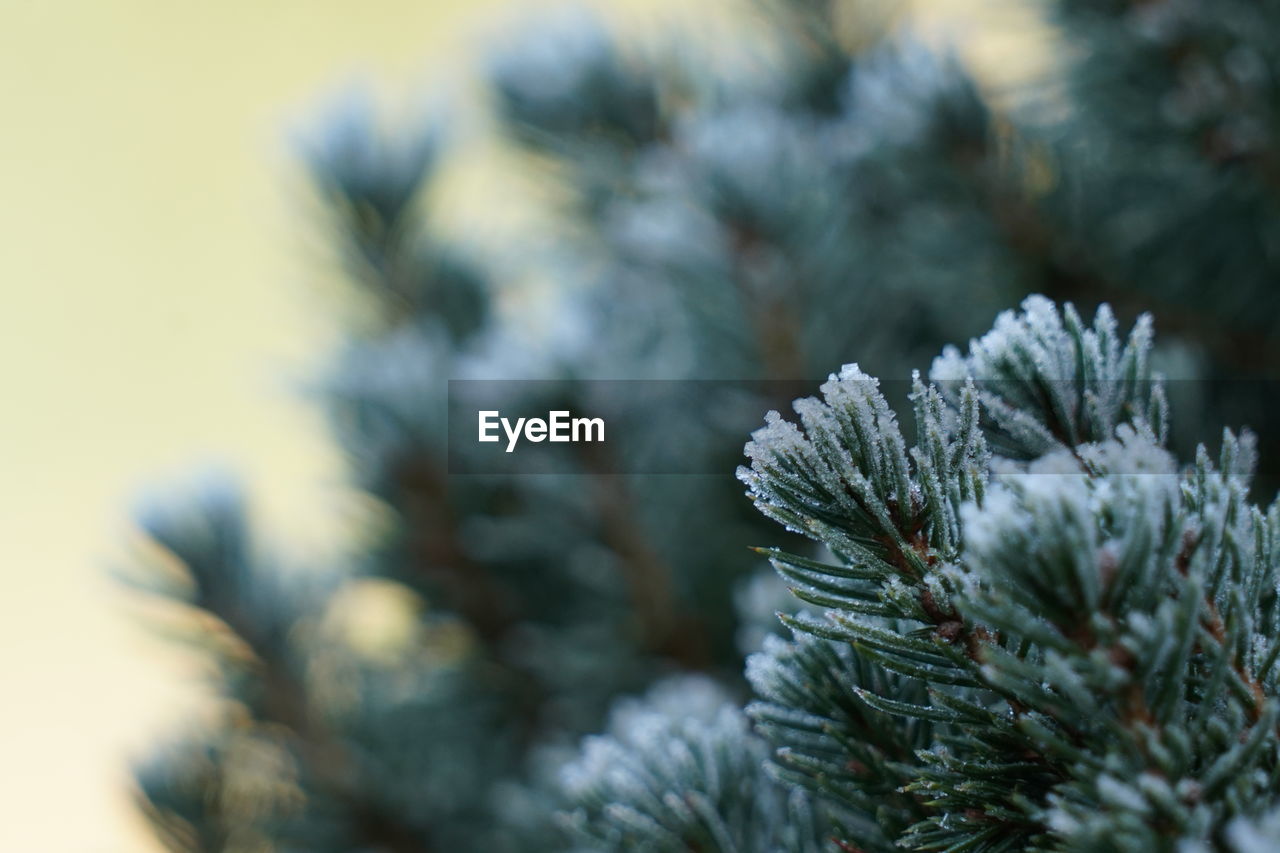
[1076, 636]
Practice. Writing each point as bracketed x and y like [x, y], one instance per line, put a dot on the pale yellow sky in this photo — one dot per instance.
[155, 306]
[154, 275]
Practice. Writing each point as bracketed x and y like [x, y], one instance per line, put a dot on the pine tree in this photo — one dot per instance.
[857, 196]
[1029, 630]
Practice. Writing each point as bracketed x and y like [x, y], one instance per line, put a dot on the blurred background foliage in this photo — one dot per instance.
[745, 190]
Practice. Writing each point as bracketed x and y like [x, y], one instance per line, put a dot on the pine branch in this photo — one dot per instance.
[1074, 632]
[211, 541]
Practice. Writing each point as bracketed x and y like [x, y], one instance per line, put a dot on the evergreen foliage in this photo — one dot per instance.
[1064, 649]
[1019, 625]
[683, 770]
[1087, 639]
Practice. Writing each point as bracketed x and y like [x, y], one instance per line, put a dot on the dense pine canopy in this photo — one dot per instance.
[1030, 603]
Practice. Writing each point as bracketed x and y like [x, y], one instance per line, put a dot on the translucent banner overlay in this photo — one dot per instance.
[699, 427]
